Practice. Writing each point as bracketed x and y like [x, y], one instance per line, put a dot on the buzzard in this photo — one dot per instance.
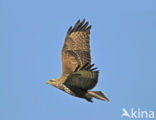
[78, 74]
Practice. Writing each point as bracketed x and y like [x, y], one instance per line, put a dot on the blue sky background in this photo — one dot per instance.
[123, 46]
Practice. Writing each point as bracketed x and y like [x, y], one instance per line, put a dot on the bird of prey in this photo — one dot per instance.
[78, 74]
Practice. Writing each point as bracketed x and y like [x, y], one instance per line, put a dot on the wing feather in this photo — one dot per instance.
[85, 78]
[76, 48]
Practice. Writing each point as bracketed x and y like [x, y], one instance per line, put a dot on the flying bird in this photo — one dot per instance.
[79, 76]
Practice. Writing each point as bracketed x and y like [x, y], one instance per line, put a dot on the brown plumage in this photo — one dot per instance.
[76, 48]
[78, 76]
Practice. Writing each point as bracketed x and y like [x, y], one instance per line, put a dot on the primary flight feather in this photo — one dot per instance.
[78, 75]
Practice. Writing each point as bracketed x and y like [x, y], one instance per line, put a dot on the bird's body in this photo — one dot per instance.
[78, 76]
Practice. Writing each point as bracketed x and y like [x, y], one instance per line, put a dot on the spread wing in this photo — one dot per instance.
[76, 48]
[84, 78]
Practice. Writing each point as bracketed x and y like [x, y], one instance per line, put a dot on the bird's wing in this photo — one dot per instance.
[76, 48]
[85, 78]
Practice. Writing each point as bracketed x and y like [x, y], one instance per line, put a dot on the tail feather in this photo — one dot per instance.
[98, 95]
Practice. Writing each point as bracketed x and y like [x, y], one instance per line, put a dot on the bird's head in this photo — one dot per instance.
[52, 82]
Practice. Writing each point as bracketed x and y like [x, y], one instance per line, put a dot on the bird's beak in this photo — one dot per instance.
[49, 81]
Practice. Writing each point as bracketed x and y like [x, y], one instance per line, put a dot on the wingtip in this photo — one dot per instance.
[84, 20]
[78, 21]
[80, 26]
[69, 30]
[89, 27]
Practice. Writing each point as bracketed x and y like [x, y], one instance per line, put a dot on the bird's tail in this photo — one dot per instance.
[98, 95]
